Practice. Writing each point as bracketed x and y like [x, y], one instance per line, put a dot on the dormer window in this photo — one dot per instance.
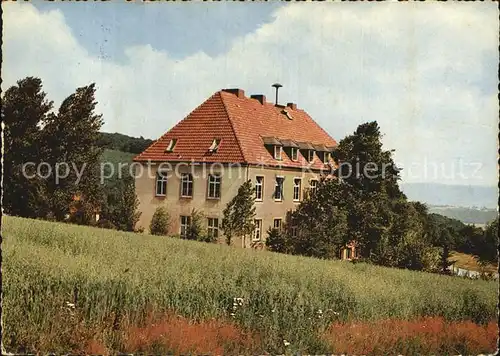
[215, 145]
[326, 157]
[294, 154]
[171, 145]
[310, 155]
[277, 152]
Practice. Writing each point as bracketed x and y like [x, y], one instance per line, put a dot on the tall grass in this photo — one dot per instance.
[113, 276]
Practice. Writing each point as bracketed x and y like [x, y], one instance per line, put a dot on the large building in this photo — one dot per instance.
[230, 138]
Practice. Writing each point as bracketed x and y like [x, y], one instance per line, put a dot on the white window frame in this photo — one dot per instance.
[297, 189]
[257, 233]
[294, 154]
[278, 152]
[215, 181]
[310, 155]
[278, 226]
[313, 187]
[161, 178]
[171, 145]
[213, 227]
[185, 223]
[261, 185]
[215, 145]
[326, 157]
[282, 179]
[187, 178]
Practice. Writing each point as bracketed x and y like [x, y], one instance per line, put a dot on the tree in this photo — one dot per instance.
[70, 144]
[124, 213]
[444, 260]
[195, 230]
[486, 250]
[373, 175]
[239, 213]
[276, 240]
[321, 221]
[160, 222]
[24, 108]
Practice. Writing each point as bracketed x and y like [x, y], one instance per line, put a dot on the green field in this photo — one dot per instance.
[111, 275]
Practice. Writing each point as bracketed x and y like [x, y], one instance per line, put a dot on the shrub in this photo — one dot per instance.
[276, 240]
[196, 231]
[105, 224]
[160, 222]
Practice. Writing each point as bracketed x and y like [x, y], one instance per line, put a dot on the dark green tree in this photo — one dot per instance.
[276, 240]
[24, 108]
[195, 230]
[70, 143]
[124, 214]
[486, 250]
[321, 221]
[160, 222]
[238, 216]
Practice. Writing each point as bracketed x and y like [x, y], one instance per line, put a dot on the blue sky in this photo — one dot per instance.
[427, 72]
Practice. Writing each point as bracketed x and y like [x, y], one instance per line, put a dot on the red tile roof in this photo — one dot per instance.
[240, 123]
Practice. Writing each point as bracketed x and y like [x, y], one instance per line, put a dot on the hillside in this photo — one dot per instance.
[120, 142]
[479, 217]
[67, 283]
[452, 195]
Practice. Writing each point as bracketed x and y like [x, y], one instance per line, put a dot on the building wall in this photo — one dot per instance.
[232, 177]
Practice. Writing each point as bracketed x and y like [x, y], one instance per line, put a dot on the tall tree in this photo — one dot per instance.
[24, 108]
[320, 221]
[486, 250]
[373, 175]
[239, 213]
[70, 141]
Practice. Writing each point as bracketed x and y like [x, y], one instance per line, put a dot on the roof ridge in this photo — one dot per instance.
[232, 126]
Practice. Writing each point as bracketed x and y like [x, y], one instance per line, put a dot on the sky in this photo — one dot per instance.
[425, 71]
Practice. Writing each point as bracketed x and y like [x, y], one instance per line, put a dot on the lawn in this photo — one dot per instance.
[74, 288]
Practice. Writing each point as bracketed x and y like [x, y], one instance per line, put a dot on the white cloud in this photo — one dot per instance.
[425, 71]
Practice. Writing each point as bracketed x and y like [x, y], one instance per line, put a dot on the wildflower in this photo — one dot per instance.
[70, 305]
[233, 314]
[286, 343]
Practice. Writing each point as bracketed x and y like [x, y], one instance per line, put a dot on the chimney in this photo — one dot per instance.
[261, 98]
[292, 106]
[277, 86]
[240, 93]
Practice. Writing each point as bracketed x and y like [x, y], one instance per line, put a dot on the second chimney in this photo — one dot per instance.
[240, 93]
[261, 98]
[292, 106]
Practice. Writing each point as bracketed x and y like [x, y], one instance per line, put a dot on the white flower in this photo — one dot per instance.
[70, 305]
[286, 343]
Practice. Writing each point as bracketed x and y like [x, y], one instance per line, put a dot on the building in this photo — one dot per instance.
[231, 138]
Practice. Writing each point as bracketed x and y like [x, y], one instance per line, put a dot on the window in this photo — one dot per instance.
[259, 188]
[277, 152]
[187, 185]
[258, 230]
[326, 157]
[348, 253]
[277, 224]
[296, 189]
[310, 155]
[278, 190]
[313, 186]
[293, 231]
[171, 145]
[295, 154]
[161, 184]
[215, 145]
[185, 223]
[214, 186]
[213, 228]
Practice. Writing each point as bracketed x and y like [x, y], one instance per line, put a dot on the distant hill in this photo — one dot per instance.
[452, 195]
[479, 217]
[120, 142]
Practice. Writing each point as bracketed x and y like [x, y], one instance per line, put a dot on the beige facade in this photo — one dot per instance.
[295, 183]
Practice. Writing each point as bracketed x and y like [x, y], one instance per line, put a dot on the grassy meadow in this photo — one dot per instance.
[83, 289]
